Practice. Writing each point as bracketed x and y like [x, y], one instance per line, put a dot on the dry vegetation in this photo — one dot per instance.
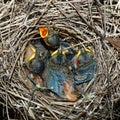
[79, 22]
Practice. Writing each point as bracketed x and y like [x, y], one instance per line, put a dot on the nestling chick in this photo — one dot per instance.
[57, 78]
[50, 37]
[84, 65]
[35, 56]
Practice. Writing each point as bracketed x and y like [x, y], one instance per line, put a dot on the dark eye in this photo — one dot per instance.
[30, 65]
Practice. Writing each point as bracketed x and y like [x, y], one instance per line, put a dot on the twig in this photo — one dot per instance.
[84, 20]
[90, 12]
[45, 10]
[14, 66]
[7, 106]
[104, 19]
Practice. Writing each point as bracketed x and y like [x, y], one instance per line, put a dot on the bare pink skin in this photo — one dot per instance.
[38, 79]
[69, 91]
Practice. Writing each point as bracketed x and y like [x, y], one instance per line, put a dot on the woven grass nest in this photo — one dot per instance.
[92, 24]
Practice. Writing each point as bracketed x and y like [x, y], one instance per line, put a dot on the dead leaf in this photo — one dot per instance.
[115, 42]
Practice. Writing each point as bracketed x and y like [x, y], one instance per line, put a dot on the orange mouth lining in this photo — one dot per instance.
[43, 32]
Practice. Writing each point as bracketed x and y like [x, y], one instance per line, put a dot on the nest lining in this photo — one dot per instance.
[78, 22]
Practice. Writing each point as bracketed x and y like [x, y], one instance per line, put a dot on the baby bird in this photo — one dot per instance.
[57, 78]
[35, 56]
[50, 37]
[84, 65]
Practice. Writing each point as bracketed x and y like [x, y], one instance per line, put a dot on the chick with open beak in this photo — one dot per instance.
[50, 37]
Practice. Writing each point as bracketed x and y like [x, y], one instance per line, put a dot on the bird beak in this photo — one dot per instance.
[75, 63]
[54, 53]
[29, 53]
[43, 32]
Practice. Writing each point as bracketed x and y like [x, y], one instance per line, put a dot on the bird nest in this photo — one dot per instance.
[92, 24]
